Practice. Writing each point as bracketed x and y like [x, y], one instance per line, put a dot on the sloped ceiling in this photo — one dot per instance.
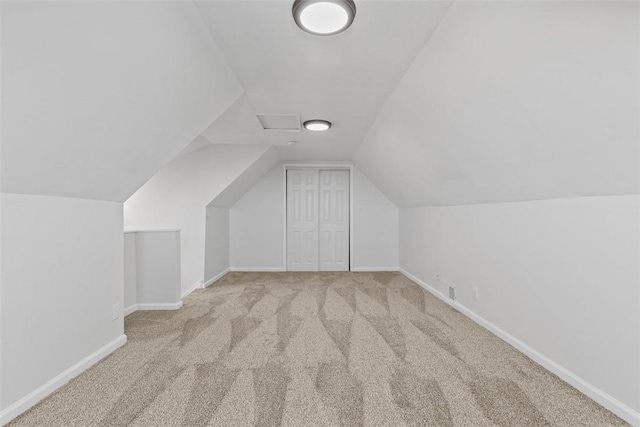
[505, 101]
[345, 78]
[98, 96]
[238, 125]
[196, 144]
[191, 181]
[246, 180]
[514, 101]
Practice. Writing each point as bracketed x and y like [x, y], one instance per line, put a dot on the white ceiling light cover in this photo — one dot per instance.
[317, 125]
[324, 17]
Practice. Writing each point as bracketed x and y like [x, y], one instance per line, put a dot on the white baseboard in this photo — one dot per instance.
[50, 386]
[149, 307]
[216, 278]
[269, 269]
[127, 311]
[612, 404]
[198, 285]
[364, 269]
[165, 306]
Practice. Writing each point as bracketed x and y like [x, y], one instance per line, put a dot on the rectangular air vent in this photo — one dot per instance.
[452, 292]
[282, 122]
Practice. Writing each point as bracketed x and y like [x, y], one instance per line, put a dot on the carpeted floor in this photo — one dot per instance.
[313, 349]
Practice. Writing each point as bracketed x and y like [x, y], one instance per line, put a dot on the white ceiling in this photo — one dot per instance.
[345, 78]
[98, 96]
[246, 180]
[488, 108]
[513, 101]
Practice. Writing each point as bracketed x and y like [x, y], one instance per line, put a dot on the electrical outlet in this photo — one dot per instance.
[116, 311]
[437, 275]
[476, 294]
[452, 292]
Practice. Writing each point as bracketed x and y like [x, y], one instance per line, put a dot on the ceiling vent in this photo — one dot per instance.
[282, 122]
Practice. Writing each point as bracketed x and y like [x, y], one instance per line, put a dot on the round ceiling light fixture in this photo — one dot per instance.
[324, 17]
[317, 125]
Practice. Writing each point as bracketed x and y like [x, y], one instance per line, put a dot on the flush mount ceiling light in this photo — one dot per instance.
[324, 17]
[317, 125]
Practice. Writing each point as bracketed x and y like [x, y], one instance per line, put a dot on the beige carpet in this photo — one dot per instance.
[314, 349]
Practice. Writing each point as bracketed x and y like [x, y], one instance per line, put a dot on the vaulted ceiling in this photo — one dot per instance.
[514, 101]
[98, 96]
[345, 78]
[437, 102]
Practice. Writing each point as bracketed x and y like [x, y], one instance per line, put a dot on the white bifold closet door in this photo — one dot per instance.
[317, 220]
[334, 220]
[302, 220]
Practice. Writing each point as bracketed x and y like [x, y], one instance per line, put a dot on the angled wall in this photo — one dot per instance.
[247, 179]
[217, 234]
[96, 97]
[512, 146]
[177, 196]
[513, 101]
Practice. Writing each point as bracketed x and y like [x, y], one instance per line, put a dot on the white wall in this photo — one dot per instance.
[257, 226]
[216, 243]
[375, 226]
[177, 196]
[559, 275]
[247, 179]
[154, 258]
[61, 273]
[96, 97]
[513, 142]
[130, 273]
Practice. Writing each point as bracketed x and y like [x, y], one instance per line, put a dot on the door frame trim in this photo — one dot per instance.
[320, 166]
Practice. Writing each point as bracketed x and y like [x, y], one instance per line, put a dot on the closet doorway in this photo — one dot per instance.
[318, 219]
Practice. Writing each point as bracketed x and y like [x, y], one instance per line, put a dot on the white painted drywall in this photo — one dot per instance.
[345, 78]
[158, 267]
[130, 273]
[375, 227]
[216, 243]
[177, 196]
[256, 225]
[518, 102]
[512, 101]
[247, 179]
[559, 275]
[61, 274]
[98, 96]
[257, 221]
